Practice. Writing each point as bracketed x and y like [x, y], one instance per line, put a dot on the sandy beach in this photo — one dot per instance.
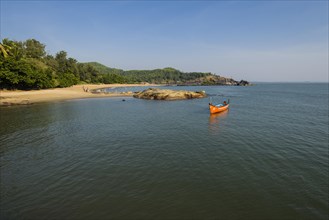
[19, 97]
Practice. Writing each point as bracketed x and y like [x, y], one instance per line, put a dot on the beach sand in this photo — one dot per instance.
[19, 97]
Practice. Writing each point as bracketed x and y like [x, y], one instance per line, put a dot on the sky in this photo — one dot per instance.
[269, 41]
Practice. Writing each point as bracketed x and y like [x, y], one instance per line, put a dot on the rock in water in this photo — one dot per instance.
[243, 83]
[166, 94]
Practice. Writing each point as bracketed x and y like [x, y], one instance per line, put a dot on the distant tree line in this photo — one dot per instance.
[26, 65]
[158, 76]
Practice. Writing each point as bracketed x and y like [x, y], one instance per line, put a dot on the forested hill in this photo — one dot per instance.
[167, 75]
[161, 76]
[100, 68]
[27, 65]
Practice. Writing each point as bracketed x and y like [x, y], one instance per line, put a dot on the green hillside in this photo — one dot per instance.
[166, 75]
[104, 69]
[27, 65]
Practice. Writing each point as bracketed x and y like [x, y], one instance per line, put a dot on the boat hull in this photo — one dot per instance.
[215, 109]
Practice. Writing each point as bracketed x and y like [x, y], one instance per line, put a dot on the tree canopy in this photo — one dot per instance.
[27, 65]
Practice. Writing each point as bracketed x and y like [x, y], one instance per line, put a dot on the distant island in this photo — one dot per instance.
[26, 65]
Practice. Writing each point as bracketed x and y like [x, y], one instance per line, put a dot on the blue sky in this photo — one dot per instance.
[252, 40]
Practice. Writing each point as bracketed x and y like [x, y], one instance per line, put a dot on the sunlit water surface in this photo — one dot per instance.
[266, 158]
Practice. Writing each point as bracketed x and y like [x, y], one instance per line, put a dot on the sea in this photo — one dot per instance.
[126, 158]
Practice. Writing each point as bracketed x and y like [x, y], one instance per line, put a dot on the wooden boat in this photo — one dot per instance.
[218, 108]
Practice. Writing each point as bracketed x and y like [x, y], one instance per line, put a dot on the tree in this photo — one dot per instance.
[34, 49]
[4, 50]
[66, 80]
[13, 49]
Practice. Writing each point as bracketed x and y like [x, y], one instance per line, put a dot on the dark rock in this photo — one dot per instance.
[243, 83]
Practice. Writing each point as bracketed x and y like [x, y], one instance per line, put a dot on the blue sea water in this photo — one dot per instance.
[265, 158]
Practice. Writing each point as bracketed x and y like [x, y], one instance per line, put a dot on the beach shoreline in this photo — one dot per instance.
[21, 97]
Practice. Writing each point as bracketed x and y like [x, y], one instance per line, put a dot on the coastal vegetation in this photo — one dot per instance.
[26, 65]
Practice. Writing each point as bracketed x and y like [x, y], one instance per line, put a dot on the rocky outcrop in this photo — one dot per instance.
[166, 94]
[243, 83]
[213, 80]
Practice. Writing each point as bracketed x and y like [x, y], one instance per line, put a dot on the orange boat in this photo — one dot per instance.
[218, 108]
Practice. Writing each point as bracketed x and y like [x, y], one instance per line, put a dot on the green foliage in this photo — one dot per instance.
[104, 69]
[9, 73]
[24, 74]
[113, 78]
[26, 65]
[167, 75]
[4, 50]
[34, 49]
[15, 49]
[66, 80]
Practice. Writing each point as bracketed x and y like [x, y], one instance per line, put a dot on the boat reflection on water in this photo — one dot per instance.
[214, 121]
[215, 118]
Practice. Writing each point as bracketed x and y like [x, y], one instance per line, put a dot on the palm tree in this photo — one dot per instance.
[4, 50]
